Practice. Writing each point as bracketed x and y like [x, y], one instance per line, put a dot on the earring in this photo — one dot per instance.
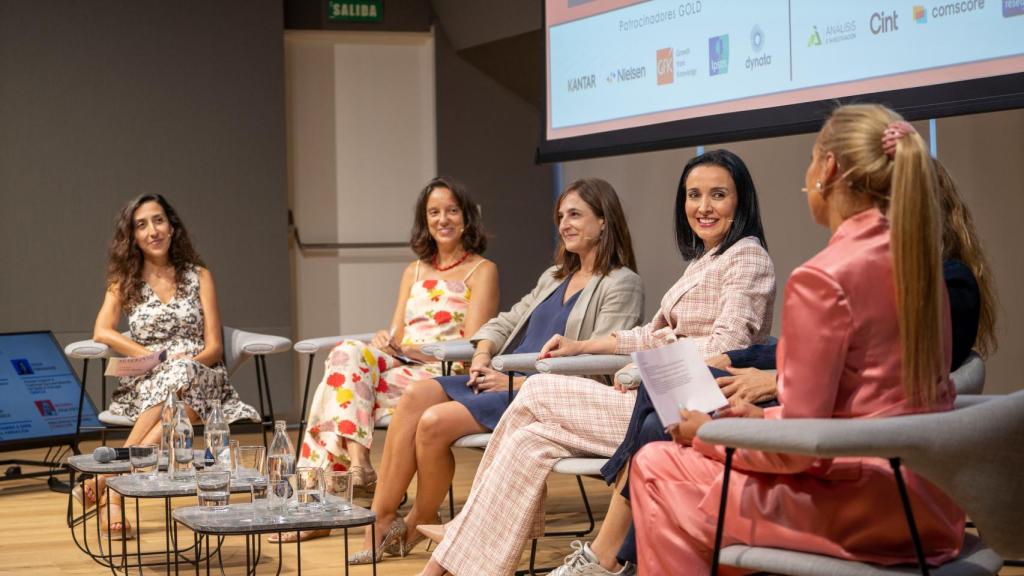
[817, 185]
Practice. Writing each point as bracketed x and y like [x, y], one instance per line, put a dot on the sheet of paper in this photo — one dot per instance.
[134, 366]
[675, 375]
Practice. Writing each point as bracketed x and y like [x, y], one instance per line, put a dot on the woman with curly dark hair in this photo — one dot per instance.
[447, 293]
[156, 279]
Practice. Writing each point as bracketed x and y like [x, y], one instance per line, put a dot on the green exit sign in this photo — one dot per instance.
[355, 10]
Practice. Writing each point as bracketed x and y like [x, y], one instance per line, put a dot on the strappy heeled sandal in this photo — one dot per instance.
[392, 543]
[364, 483]
[127, 531]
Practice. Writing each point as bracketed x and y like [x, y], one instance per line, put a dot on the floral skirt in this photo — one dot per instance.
[361, 385]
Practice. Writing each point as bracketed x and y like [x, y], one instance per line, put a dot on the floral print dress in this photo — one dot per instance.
[177, 327]
[362, 384]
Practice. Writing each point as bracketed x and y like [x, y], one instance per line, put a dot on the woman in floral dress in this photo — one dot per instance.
[448, 292]
[157, 279]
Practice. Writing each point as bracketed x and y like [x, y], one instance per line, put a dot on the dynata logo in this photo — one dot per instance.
[920, 15]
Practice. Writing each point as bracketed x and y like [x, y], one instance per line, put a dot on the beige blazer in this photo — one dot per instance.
[607, 303]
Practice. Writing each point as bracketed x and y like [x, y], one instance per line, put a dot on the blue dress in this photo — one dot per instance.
[547, 319]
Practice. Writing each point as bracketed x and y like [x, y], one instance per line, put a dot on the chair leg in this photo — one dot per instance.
[451, 503]
[905, 498]
[259, 392]
[302, 411]
[270, 399]
[721, 510]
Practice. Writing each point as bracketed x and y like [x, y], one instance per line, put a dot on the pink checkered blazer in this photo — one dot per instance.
[722, 302]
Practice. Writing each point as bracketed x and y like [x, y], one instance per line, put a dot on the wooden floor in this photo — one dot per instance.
[34, 538]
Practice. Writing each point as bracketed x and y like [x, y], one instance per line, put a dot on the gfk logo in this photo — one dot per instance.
[665, 66]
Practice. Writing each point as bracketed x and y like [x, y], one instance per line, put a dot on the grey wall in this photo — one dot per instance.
[103, 100]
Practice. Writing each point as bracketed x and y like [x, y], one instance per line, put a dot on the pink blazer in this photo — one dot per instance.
[839, 357]
[722, 302]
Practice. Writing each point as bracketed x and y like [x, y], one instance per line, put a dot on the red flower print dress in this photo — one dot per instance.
[363, 384]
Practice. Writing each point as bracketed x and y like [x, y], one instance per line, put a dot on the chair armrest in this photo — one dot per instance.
[630, 377]
[969, 378]
[584, 365]
[256, 344]
[515, 362]
[968, 400]
[87, 350]
[450, 351]
[886, 437]
[316, 345]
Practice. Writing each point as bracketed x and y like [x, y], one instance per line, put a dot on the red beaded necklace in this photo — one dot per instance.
[437, 258]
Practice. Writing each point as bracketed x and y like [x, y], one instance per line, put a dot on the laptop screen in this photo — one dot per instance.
[38, 390]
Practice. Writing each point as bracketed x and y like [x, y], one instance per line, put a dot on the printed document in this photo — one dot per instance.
[134, 366]
[675, 377]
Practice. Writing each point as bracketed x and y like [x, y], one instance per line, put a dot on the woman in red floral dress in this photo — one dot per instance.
[448, 292]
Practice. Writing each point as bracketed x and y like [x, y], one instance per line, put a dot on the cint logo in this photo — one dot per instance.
[718, 55]
[815, 39]
[882, 23]
[666, 66]
[920, 14]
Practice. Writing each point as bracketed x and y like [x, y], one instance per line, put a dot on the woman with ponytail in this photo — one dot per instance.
[865, 334]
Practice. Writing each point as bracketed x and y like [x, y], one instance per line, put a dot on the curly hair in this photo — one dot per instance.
[124, 260]
[474, 239]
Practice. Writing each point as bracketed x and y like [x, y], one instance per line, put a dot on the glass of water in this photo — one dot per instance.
[213, 488]
[309, 489]
[258, 487]
[251, 462]
[279, 494]
[144, 459]
[338, 488]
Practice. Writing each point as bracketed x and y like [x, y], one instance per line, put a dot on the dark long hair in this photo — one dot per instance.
[614, 246]
[746, 221]
[124, 261]
[474, 239]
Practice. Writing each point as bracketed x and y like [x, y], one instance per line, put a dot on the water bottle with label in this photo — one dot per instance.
[179, 464]
[167, 424]
[281, 457]
[218, 437]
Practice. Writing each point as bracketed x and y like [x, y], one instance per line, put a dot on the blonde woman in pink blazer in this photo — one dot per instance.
[865, 334]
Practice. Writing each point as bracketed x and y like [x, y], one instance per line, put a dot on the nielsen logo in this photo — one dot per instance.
[630, 73]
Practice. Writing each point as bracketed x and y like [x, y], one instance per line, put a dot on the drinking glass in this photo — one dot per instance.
[251, 462]
[233, 456]
[279, 493]
[258, 487]
[144, 459]
[338, 488]
[213, 488]
[309, 489]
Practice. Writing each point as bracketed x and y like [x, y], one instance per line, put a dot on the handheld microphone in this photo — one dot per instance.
[104, 454]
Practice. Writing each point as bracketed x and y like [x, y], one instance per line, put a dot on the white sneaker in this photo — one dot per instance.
[583, 562]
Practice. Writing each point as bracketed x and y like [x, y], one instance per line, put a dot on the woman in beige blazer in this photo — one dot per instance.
[722, 301]
[591, 291]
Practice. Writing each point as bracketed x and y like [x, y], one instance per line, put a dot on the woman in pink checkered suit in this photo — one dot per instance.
[722, 302]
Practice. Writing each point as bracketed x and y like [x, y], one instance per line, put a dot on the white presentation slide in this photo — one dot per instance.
[38, 391]
[615, 64]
